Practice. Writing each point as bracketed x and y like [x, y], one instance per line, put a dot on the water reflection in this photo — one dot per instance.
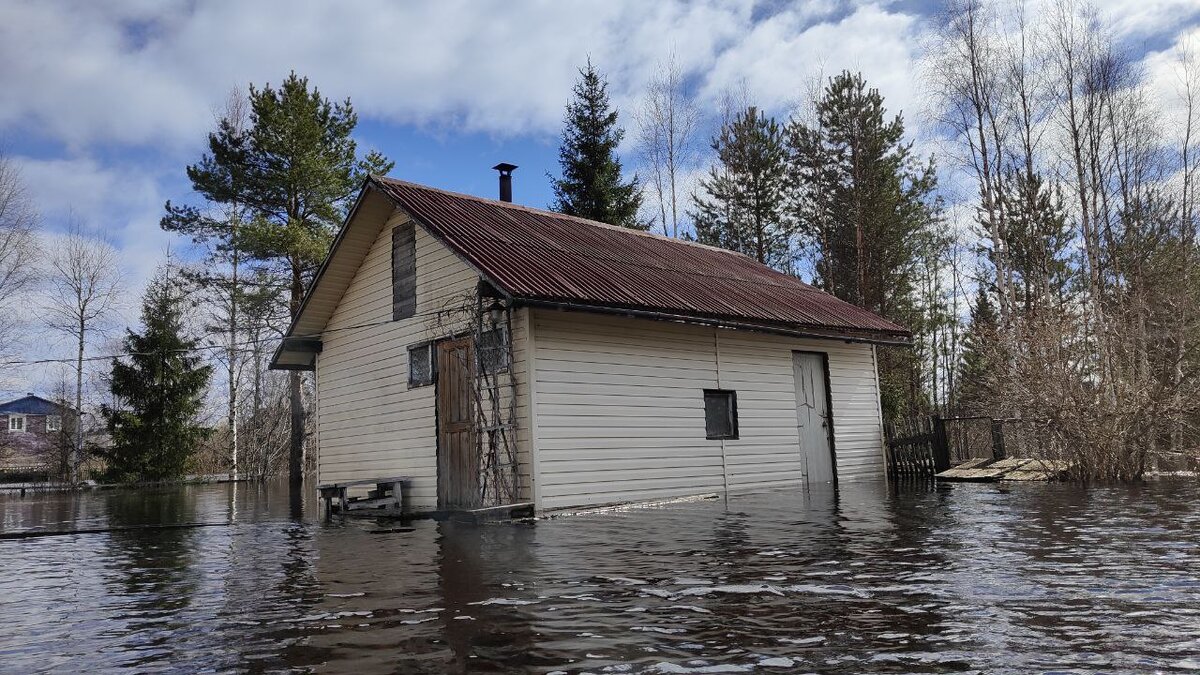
[151, 568]
[864, 578]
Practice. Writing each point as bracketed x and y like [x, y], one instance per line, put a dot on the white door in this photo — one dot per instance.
[812, 416]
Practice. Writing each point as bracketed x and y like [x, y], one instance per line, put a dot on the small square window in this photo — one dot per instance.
[53, 423]
[16, 423]
[420, 365]
[720, 414]
[493, 350]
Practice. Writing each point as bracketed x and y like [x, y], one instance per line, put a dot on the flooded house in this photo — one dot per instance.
[30, 430]
[494, 354]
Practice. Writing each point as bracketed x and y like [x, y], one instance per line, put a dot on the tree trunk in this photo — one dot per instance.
[77, 448]
[296, 455]
[296, 452]
[232, 361]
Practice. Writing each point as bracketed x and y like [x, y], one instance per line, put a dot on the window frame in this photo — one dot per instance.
[729, 395]
[431, 346]
[56, 426]
[13, 417]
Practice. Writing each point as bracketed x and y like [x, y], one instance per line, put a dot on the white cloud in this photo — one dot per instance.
[121, 204]
[779, 55]
[1147, 18]
[115, 95]
[1166, 77]
[117, 73]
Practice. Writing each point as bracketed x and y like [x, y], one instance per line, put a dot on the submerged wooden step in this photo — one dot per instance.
[975, 463]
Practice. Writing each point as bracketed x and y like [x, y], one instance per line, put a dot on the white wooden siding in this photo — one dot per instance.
[619, 414]
[371, 424]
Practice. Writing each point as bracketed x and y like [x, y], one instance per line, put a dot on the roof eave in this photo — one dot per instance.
[867, 336]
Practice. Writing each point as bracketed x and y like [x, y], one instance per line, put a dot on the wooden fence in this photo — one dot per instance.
[920, 447]
[916, 447]
[24, 474]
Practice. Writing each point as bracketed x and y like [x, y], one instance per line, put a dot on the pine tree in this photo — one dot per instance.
[742, 207]
[295, 172]
[591, 185]
[867, 207]
[159, 387]
[863, 200]
[975, 366]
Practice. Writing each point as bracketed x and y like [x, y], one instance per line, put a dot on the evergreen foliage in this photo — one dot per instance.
[294, 170]
[158, 388]
[1037, 236]
[975, 369]
[866, 206]
[591, 185]
[742, 206]
[863, 200]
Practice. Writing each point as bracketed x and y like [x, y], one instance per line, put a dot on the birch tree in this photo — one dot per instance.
[1085, 197]
[18, 222]
[966, 75]
[84, 288]
[218, 229]
[667, 125]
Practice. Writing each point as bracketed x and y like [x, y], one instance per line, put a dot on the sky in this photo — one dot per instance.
[106, 102]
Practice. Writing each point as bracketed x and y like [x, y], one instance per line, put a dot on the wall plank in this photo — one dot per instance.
[620, 409]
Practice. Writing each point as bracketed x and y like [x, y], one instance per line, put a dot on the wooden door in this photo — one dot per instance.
[458, 461]
[813, 419]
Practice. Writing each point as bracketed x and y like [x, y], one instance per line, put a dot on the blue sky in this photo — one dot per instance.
[107, 101]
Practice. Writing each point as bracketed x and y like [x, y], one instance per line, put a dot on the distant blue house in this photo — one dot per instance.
[28, 426]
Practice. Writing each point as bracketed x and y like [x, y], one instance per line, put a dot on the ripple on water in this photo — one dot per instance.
[868, 578]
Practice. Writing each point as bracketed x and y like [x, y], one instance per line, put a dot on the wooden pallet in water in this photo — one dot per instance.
[1040, 469]
[1013, 468]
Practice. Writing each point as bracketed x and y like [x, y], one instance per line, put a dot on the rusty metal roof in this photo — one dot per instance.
[542, 256]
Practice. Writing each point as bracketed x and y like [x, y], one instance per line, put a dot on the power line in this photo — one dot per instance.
[226, 347]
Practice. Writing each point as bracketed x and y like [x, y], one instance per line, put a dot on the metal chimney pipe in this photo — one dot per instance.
[505, 180]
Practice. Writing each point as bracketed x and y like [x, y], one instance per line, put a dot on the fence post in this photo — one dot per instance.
[941, 446]
[998, 451]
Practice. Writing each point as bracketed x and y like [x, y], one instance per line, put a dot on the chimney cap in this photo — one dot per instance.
[504, 167]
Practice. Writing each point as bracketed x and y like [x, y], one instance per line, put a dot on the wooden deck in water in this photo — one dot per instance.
[987, 470]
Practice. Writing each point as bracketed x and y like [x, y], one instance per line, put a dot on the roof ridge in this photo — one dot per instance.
[555, 214]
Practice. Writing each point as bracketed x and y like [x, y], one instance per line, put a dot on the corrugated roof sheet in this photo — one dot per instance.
[545, 256]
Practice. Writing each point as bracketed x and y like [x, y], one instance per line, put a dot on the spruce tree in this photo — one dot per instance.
[1037, 235]
[158, 388]
[741, 207]
[976, 363]
[591, 185]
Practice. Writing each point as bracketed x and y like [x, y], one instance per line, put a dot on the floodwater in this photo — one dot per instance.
[871, 578]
